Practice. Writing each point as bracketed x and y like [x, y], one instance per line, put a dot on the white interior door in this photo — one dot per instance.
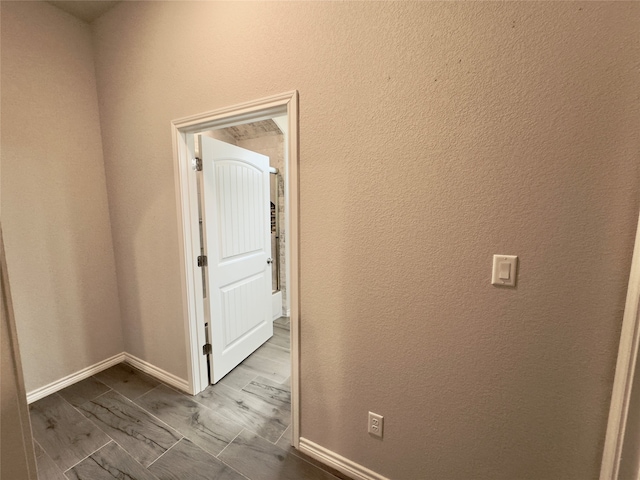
[238, 246]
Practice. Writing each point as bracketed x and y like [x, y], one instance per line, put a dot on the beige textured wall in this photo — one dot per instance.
[432, 135]
[54, 204]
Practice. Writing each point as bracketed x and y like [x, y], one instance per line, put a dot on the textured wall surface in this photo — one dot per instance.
[54, 202]
[432, 135]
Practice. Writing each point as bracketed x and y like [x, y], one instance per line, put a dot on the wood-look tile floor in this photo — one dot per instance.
[123, 424]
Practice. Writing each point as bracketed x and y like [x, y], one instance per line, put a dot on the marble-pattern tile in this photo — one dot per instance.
[127, 380]
[273, 393]
[246, 409]
[63, 432]
[204, 427]
[83, 391]
[239, 377]
[143, 436]
[47, 469]
[186, 461]
[256, 458]
[109, 463]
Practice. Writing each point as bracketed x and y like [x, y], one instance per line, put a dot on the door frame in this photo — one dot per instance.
[189, 235]
[625, 370]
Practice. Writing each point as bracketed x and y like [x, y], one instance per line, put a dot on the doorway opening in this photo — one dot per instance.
[239, 132]
[267, 137]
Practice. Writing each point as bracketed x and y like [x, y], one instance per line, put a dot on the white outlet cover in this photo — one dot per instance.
[376, 424]
[505, 270]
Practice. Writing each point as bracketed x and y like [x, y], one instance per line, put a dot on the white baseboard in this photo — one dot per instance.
[146, 367]
[159, 374]
[338, 462]
[58, 385]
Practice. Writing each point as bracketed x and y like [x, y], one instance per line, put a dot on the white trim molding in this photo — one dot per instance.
[64, 382]
[185, 178]
[146, 367]
[625, 370]
[157, 373]
[332, 459]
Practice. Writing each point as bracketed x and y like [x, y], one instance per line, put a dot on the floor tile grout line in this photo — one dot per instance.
[55, 465]
[140, 396]
[208, 408]
[192, 398]
[276, 346]
[165, 452]
[143, 409]
[100, 428]
[232, 440]
[88, 418]
[225, 416]
[152, 415]
[277, 386]
[280, 437]
[262, 437]
[90, 399]
[155, 416]
[216, 456]
[234, 469]
[90, 421]
[283, 405]
[248, 383]
[287, 364]
[286, 452]
[253, 396]
[121, 448]
[136, 371]
[234, 420]
[77, 463]
[136, 460]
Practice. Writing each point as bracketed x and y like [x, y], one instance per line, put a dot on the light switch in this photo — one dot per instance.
[504, 270]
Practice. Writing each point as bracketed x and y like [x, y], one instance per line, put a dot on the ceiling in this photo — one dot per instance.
[86, 11]
[253, 130]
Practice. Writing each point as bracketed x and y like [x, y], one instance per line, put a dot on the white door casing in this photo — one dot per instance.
[236, 218]
[626, 365]
[188, 229]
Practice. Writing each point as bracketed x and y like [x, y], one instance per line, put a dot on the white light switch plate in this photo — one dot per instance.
[505, 270]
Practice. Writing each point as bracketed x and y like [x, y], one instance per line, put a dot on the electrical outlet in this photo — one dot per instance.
[375, 424]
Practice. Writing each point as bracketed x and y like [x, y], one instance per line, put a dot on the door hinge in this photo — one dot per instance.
[206, 349]
[197, 164]
[202, 261]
